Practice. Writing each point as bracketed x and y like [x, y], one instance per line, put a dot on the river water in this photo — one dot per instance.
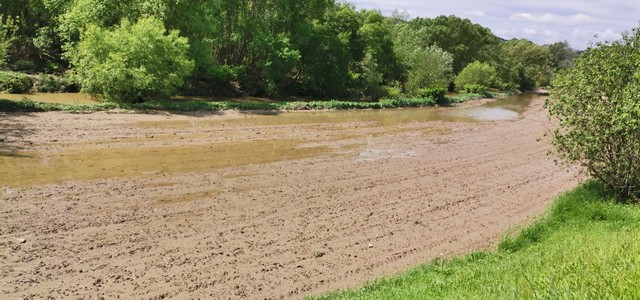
[502, 109]
[111, 157]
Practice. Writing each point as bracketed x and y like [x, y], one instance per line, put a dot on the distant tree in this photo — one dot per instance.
[528, 62]
[424, 67]
[401, 14]
[133, 62]
[562, 55]
[428, 67]
[477, 73]
[597, 104]
[377, 33]
[465, 40]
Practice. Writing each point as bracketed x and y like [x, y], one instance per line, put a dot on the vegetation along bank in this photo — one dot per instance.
[143, 51]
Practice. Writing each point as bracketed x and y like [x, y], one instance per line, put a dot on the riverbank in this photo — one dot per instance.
[585, 248]
[27, 105]
[248, 205]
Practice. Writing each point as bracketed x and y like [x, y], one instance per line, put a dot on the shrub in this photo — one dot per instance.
[435, 93]
[46, 84]
[474, 89]
[15, 83]
[393, 90]
[477, 73]
[133, 62]
[597, 104]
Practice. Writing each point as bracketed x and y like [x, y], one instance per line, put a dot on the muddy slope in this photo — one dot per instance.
[353, 201]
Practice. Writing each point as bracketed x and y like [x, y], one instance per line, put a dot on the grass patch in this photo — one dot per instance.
[587, 247]
[26, 105]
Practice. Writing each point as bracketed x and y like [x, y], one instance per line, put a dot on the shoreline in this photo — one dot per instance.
[29, 106]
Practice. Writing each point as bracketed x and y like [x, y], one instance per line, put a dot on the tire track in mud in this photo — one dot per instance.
[274, 230]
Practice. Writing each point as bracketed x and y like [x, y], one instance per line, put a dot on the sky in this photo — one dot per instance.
[580, 22]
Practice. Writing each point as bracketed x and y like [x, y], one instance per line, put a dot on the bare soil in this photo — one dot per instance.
[338, 204]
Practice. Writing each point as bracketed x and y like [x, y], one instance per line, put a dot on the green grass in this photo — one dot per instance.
[27, 105]
[587, 247]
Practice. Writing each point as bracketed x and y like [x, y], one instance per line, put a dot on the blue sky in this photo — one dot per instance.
[541, 21]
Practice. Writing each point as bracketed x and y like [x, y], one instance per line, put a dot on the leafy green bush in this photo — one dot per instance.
[465, 97]
[474, 89]
[436, 93]
[477, 73]
[597, 104]
[15, 83]
[47, 83]
[133, 62]
[393, 90]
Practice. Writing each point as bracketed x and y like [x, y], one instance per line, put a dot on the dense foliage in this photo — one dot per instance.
[316, 48]
[477, 73]
[133, 62]
[597, 103]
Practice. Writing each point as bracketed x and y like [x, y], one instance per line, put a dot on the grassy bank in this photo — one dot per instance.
[587, 247]
[26, 105]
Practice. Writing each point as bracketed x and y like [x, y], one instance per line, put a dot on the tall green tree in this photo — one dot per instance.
[562, 55]
[428, 67]
[377, 32]
[466, 41]
[531, 62]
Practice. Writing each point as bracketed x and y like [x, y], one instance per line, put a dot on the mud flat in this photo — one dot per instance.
[241, 205]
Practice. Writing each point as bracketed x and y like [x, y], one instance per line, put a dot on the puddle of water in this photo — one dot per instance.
[88, 164]
[517, 103]
[507, 108]
[64, 98]
[486, 113]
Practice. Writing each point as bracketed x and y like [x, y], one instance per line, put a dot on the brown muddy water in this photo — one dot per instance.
[32, 168]
[64, 98]
[144, 158]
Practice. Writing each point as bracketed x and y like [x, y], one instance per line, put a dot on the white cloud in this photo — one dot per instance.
[529, 31]
[553, 20]
[548, 18]
[609, 35]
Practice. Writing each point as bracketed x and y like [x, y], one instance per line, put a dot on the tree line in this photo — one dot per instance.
[144, 49]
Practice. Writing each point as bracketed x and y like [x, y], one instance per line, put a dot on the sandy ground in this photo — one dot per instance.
[354, 201]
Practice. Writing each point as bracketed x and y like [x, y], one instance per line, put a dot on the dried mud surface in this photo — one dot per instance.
[356, 201]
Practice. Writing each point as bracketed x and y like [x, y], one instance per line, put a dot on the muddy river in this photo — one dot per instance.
[248, 205]
[91, 158]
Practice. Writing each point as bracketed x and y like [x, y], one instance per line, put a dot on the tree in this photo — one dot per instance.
[562, 55]
[377, 33]
[7, 37]
[597, 104]
[531, 63]
[425, 67]
[428, 67]
[133, 62]
[477, 73]
[465, 40]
